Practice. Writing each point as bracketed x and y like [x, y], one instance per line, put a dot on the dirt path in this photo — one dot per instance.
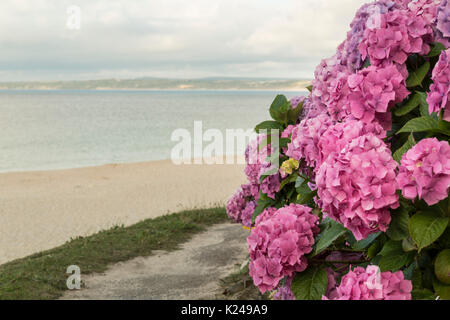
[190, 273]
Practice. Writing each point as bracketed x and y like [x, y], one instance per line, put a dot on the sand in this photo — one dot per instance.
[42, 210]
[191, 273]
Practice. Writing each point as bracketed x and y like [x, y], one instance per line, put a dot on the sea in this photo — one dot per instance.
[61, 129]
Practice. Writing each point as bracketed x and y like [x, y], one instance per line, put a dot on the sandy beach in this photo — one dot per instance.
[44, 209]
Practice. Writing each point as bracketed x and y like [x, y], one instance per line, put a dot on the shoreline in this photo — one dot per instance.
[40, 210]
[157, 90]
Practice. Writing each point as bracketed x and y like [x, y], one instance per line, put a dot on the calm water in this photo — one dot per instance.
[42, 130]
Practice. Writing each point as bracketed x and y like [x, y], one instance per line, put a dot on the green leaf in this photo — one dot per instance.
[412, 103]
[424, 108]
[391, 247]
[421, 124]
[294, 114]
[284, 142]
[267, 174]
[395, 262]
[399, 227]
[411, 142]
[279, 108]
[436, 49]
[442, 290]
[269, 126]
[299, 181]
[310, 88]
[363, 244]
[329, 235]
[426, 227]
[442, 266]
[422, 294]
[408, 245]
[310, 284]
[444, 127]
[393, 257]
[304, 193]
[416, 77]
[373, 250]
[292, 178]
[262, 205]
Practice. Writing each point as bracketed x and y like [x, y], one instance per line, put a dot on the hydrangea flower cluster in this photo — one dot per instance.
[237, 203]
[339, 159]
[337, 136]
[366, 16]
[439, 97]
[370, 284]
[305, 138]
[357, 187]
[278, 245]
[329, 75]
[443, 23]
[425, 8]
[255, 158]
[373, 91]
[425, 171]
[399, 34]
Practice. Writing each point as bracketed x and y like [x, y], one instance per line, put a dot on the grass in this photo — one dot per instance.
[43, 275]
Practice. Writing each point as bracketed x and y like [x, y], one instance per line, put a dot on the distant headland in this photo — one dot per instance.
[163, 84]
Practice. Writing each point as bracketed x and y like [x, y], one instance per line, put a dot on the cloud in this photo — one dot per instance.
[170, 38]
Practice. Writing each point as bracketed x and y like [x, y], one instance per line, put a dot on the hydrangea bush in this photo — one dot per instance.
[347, 194]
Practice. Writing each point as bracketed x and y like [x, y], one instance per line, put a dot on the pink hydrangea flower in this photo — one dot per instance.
[443, 23]
[373, 92]
[357, 186]
[400, 33]
[278, 245]
[305, 138]
[265, 215]
[439, 97]
[329, 75]
[337, 136]
[255, 158]
[247, 214]
[427, 9]
[425, 171]
[236, 204]
[371, 284]
[366, 17]
[271, 184]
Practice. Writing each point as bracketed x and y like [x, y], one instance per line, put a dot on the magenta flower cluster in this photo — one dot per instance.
[399, 33]
[425, 171]
[337, 136]
[348, 52]
[278, 245]
[305, 139]
[439, 97]
[371, 284]
[373, 92]
[357, 187]
[425, 8]
[242, 204]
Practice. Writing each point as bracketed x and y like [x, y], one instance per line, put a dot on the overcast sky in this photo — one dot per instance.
[169, 38]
